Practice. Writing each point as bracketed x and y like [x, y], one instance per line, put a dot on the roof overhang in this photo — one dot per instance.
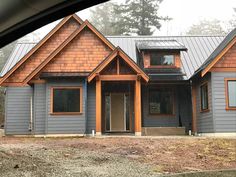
[160, 45]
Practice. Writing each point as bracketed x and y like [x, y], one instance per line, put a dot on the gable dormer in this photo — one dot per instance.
[160, 54]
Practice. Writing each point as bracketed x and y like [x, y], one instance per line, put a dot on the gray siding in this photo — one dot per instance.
[182, 106]
[91, 108]
[17, 110]
[39, 108]
[64, 124]
[225, 121]
[205, 122]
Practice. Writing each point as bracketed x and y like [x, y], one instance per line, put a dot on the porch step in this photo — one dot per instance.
[163, 131]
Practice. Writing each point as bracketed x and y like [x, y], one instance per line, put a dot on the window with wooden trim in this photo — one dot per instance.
[66, 100]
[230, 93]
[160, 59]
[161, 101]
[204, 97]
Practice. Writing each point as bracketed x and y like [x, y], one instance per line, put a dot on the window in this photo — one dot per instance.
[157, 59]
[67, 100]
[231, 93]
[161, 101]
[204, 97]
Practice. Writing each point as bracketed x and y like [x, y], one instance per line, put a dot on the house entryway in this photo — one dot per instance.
[117, 106]
[117, 112]
[117, 75]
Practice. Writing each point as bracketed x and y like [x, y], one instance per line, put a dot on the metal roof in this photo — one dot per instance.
[217, 51]
[160, 44]
[199, 49]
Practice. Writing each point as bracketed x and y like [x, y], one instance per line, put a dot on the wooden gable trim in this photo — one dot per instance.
[100, 35]
[64, 44]
[37, 46]
[126, 58]
[218, 57]
[54, 53]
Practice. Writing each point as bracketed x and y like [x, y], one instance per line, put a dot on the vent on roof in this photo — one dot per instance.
[160, 45]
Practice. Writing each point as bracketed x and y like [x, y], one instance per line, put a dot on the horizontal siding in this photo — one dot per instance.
[64, 124]
[205, 119]
[39, 108]
[17, 110]
[225, 121]
[91, 108]
[182, 108]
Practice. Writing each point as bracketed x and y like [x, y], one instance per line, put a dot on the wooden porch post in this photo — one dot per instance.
[137, 107]
[194, 109]
[98, 107]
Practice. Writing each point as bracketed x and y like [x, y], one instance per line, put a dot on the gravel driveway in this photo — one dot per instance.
[112, 156]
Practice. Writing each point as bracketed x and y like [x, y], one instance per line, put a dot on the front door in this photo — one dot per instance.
[117, 112]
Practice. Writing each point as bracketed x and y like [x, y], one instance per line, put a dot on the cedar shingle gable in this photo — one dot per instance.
[85, 48]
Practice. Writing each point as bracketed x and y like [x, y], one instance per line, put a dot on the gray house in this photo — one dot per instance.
[214, 90]
[76, 81]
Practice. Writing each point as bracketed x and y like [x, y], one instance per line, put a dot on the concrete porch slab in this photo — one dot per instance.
[163, 131]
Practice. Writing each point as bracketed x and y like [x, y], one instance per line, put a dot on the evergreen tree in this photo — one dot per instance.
[141, 16]
[133, 17]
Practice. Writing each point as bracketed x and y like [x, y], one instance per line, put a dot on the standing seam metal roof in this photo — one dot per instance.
[199, 48]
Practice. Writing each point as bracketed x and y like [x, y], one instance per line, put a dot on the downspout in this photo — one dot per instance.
[194, 108]
[31, 110]
[85, 105]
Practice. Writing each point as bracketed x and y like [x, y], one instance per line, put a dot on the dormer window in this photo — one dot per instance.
[160, 53]
[157, 59]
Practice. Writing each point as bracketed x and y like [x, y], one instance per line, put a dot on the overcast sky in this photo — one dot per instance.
[184, 14]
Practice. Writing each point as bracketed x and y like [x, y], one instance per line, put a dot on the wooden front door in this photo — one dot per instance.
[117, 112]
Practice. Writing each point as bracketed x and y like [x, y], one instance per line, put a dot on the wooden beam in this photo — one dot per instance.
[137, 108]
[98, 108]
[118, 66]
[194, 108]
[14, 84]
[223, 70]
[39, 81]
[118, 77]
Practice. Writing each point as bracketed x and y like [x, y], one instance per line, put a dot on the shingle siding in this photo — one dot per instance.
[205, 122]
[17, 110]
[225, 121]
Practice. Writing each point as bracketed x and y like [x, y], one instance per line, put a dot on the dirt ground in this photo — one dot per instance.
[110, 156]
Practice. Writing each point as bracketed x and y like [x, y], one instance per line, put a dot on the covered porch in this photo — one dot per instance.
[118, 94]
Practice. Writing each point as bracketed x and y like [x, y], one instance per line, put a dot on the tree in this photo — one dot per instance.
[206, 27]
[141, 16]
[132, 17]
[103, 16]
